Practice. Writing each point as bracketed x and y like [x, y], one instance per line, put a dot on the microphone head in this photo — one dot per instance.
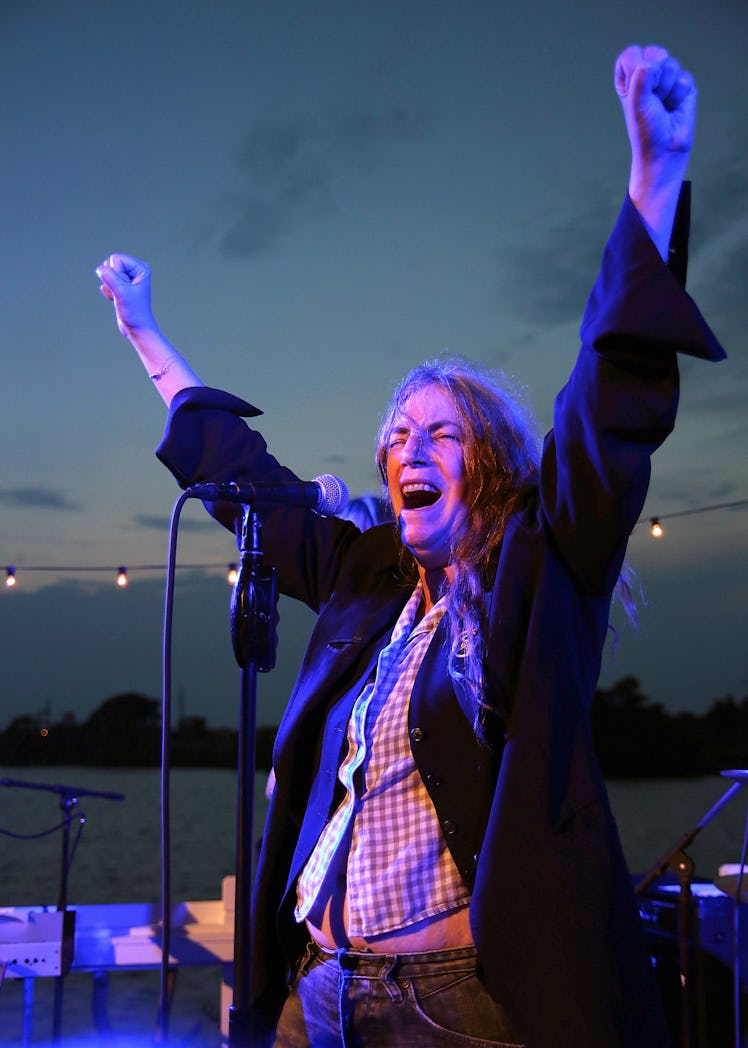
[333, 495]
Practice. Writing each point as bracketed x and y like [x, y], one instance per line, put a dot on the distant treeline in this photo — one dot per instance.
[635, 737]
[124, 732]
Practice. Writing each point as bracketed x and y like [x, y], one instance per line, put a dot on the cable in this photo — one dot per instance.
[31, 836]
[166, 688]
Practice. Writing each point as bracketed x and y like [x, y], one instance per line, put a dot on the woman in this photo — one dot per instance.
[440, 865]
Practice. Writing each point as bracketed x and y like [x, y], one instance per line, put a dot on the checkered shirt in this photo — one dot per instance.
[399, 869]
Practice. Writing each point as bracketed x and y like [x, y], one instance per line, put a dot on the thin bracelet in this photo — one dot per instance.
[165, 365]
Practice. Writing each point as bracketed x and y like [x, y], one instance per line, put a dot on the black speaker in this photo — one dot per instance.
[712, 945]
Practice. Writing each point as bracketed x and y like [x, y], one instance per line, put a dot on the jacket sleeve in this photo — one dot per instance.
[206, 440]
[620, 402]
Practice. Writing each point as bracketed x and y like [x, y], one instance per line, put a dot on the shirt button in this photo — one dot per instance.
[416, 734]
[433, 779]
[449, 827]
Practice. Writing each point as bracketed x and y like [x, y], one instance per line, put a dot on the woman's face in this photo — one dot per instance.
[426, 475]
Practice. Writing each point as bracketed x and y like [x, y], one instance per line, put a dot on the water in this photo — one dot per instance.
[118, 860]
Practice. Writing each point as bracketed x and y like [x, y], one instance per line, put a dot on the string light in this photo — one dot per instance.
[122, 573]
[656, 530]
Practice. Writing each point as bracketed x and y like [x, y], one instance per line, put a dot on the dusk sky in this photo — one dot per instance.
[329, 192]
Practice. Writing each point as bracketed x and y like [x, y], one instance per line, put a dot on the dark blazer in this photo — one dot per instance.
[527, 820]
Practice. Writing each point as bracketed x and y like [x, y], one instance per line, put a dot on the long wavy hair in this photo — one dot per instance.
[501, 452]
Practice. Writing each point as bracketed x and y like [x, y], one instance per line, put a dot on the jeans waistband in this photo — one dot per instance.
[376, 965]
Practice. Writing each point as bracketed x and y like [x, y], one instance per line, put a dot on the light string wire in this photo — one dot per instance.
[119, 570]
[121, 573]
[656, 518]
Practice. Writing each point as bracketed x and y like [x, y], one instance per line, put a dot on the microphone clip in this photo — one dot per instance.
[254, 600]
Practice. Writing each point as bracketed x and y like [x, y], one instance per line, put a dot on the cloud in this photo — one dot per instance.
[724, 394]
[156, 523]
[37, 498]
[290, 169]
[76, 674]
[721, 188]
[725, 280]
[719, 255]
[547, 281]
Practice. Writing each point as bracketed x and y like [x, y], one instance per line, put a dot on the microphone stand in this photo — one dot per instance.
[683, 866]
[253, 634]
[68, 802]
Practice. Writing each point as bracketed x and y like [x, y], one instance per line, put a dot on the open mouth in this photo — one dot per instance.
[416, 496]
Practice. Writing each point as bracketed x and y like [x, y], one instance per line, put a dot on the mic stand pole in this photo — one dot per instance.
[253, 621]
[682, 865]
[68, 803]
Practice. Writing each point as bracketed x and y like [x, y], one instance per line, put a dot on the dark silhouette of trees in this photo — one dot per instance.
[125, 731]
[635, 737]
[628, 730]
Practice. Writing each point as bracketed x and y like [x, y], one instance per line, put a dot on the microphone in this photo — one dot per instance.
[327, 495]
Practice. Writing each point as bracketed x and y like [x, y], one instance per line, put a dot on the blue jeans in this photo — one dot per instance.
[347, 999]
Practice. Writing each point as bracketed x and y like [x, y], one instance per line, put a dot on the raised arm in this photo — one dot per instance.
[659, 105]
[126, 282]
[621, 399]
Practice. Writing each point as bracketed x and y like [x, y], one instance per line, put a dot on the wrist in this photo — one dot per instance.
[654, 189]
[153, 348]
[143, 331]
[657, 174]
